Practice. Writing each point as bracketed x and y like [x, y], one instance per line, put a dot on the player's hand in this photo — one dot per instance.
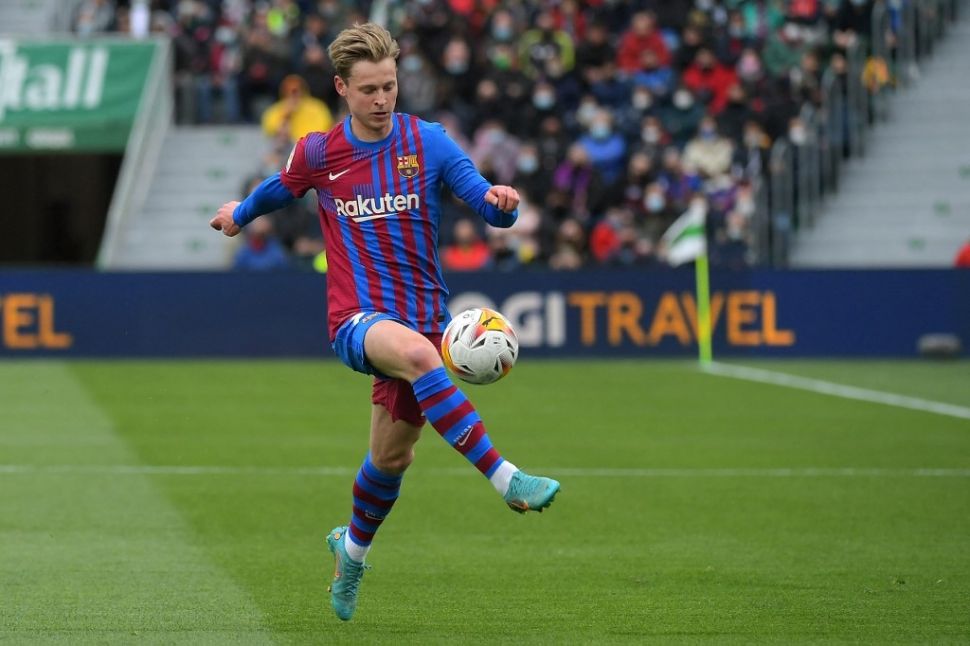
[223, 220]
[504, 198]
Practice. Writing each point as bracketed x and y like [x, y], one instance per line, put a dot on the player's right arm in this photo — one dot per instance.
[274, 193]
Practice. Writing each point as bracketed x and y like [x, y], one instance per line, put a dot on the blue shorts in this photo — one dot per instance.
[348, 344]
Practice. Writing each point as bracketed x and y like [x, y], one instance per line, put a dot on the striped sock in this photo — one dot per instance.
[457, 421]
[374, 495]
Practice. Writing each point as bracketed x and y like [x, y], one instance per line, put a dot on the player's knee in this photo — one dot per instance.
[421, 358]
[393, 462]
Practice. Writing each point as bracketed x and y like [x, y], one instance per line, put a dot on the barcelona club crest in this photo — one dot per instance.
[407, 165]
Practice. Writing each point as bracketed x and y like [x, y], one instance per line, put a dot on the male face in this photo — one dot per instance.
[371, 93]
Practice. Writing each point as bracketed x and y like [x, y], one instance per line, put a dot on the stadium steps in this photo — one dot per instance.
[26, 17]
[199, 169]
[907, 202]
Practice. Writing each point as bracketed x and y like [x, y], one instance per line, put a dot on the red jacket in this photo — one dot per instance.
[631, 45]
[717, 81]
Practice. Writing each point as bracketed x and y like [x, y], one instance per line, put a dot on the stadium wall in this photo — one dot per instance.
[595, 313]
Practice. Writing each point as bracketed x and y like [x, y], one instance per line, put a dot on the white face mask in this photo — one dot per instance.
[798, 136]
[642, 101]
[655, 202]
[585, 113]
[650, 134]
[683, 100]
[411, 63]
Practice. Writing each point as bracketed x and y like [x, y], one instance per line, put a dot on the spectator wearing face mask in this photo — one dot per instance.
[730, 40]
[459, 73]
[541, 43]
[653, 138]
[605, 146]
[709, 79]
[681, 116]
[567, 83]
[709, 152]
[752, 153]
[529, 175]
[630, 117]
[416, 80]
[783, 50]
[544, 103]
[658, 213]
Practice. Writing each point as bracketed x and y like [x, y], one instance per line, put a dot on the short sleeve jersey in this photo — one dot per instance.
[379, 209]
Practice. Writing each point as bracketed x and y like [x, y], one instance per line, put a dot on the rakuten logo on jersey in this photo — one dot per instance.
[371, 208]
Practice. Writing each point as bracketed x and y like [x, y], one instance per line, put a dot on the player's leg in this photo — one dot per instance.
[378, 482]
[375, 490]
[398, 351]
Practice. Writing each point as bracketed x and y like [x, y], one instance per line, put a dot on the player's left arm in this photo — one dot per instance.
[497, 204]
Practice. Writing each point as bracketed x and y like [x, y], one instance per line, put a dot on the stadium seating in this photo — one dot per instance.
[198, 169]
[814, 76]
[907, 202]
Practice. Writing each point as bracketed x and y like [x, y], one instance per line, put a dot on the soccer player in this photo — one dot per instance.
[377, 175]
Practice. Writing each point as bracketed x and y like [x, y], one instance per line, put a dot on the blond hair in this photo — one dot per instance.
[367, 42]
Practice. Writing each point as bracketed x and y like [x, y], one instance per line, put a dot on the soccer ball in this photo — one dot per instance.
[479, 346]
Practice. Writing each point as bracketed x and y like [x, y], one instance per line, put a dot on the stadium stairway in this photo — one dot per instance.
[906, 203]
[199, 169]
[26, 17]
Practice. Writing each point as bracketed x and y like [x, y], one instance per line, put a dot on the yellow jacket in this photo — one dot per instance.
[308, 115]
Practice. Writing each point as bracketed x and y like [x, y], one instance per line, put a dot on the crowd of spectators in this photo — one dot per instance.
[609, 116]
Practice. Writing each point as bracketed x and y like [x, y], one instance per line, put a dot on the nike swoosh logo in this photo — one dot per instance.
[365, 218]
[334, 176]
[467, 433]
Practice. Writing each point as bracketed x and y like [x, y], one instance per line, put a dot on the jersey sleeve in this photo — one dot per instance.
[297, 173]
[461, 176]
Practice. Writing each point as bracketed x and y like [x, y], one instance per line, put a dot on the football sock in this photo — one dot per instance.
[455, 419]
[374, 495]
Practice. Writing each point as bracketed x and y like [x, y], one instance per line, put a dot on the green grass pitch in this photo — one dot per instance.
[187, 502]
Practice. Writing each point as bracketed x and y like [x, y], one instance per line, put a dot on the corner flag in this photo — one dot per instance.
[686, 240]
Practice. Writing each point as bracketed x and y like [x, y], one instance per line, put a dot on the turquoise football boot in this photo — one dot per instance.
[347, 574]
[530, 493]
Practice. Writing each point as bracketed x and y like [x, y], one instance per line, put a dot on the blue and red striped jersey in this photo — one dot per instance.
[379, 210]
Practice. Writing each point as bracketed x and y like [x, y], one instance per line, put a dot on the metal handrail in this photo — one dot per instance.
[799, 177]
[881, 33]
[856, 97]
[781, 201]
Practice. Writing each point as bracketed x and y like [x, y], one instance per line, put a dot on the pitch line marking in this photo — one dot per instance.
[211, 470]
[837, 390]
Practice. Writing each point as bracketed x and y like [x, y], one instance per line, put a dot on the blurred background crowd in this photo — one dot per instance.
[610, 117]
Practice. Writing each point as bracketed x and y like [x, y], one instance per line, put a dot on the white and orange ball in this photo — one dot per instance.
[479, 346]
